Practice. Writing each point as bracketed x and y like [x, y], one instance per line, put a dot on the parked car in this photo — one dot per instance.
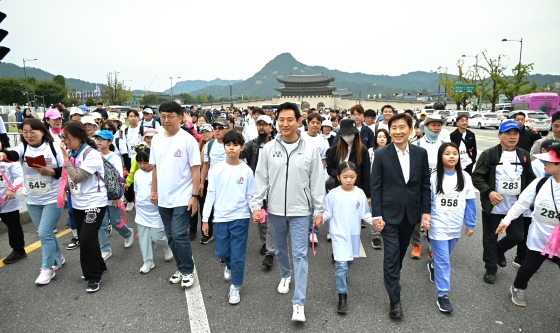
[452, 117]
[537, 119]
[502, 115]
[482, 120]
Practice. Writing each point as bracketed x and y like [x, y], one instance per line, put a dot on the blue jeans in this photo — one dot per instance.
[71, 221]
[340, 270]
[175, 222]
[114, 215]
[45, 219]
[297, 227]
[231, 246]
[442, 264]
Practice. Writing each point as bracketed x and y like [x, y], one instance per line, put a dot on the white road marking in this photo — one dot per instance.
[196, 308]
[362, 251]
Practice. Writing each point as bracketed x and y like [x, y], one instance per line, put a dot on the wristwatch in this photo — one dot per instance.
[196, 196]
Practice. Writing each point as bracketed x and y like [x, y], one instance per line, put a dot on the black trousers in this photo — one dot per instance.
[396, 238]
[129, 195]
[88, 223]
[468, 169]
[15, 231]
[522, 247]
[193, 223]
[531, 264]
[490, 244]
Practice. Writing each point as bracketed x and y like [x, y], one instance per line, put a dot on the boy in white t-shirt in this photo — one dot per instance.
[230, 188]
[114, 213]
[175, 180]
[148, 220]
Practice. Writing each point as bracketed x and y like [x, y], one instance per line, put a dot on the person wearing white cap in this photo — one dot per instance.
[149, 121]
[431, 141]
[90, 125]
[251, 152]
[327, 131]
[544, 194]
[75, 114]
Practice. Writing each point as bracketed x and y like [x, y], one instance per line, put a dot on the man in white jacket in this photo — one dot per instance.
[291, 169]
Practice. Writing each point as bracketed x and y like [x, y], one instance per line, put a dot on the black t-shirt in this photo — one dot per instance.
[103, 113]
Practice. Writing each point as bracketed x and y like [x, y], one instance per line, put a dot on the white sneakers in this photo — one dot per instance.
[313, 239]
[128, 241]
[46, 276]
[61, 261]
[129, 206]
[176, 278]
[298, 314]
[328, 236]
[188, 280]
[284, 285]
[168, 254]
[106, 255]
[148, 265]
[234, 297]
[227, 274]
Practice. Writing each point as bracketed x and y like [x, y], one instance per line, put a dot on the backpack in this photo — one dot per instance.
[210, 143]
[52, 149]
[140, 131]
[111, 178]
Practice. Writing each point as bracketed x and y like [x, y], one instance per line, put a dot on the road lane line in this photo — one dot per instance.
[362, 251]
[37, 244]
[196, 308]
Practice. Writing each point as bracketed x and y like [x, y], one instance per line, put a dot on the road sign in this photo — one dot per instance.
[464, 88]
[133, 100]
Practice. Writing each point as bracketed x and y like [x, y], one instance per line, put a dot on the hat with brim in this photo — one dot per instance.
[547, 143]
[220, 121]
[548, 157]
[89, 120]
[52, 114]
[433, 118]
[348, 126]
[115, 118]
[74, 110]
[508, 125]
[326, 123]
[105, 135]
[205, 127]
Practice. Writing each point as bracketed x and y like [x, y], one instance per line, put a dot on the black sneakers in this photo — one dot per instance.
[206, 239]
[263, 250]
[502, 262]
[15, 256]
[268, 259]
[74, 243]
[489, 277]
[444, 304]
[431, 271]
[376, 243]
[92, 286]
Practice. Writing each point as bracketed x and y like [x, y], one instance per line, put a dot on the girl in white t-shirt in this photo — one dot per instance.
[453, 204]
[84, 166]
[544, 232]
[11, 179]
[148, 220]
[41, 183]
[345, 206]
[114, 213]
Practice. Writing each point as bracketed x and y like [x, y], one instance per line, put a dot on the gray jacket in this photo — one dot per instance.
[536, 149]
[295, 182]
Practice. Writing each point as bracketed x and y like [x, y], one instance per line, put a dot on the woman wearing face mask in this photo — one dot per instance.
[350, 148]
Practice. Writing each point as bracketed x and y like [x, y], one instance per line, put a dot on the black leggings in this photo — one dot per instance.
[129, 195]
[193, 223]
[531, 264]
[88, 223]
[15, 231]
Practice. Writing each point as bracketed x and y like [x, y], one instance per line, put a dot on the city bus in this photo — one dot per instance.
[543, 101]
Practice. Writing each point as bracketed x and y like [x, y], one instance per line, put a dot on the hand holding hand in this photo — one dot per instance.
[317, 221]
[257, 216]
[501, 229]
[469, 232]
[154, 198]
[379, 224]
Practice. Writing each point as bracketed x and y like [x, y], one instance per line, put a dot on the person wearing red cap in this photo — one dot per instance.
[544, 232]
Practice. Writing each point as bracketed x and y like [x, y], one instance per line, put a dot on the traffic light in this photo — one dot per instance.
[3, 33]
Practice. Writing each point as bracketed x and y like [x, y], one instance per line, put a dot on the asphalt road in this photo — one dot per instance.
[129, 301]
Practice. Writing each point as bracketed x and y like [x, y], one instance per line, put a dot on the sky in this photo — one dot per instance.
[148, 41]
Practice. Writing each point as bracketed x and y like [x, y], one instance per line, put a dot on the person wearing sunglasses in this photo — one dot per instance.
[213, 154]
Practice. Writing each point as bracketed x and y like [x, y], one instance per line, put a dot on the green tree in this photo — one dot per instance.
[517, 84]
[201, 98]
[31, 81]
[492, 86]
[188, 98]
[114, 92]
[60, 80]
[90, 101]
[12, 91]
[53, 92]
[151, 99]
[461, 99]
[211, 98]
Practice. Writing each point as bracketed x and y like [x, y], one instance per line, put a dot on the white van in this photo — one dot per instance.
[503, 107]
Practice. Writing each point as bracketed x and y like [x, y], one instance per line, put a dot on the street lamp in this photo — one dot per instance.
[43, 97]
[25, 76]
[475, 76]
[439, 85]
[519, 65]
[171, 78]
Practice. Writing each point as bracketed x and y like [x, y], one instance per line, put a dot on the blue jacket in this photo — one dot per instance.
[366, 134]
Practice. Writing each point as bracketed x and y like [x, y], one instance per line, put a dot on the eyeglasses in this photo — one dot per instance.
[165, 118]
[32, 132]
[219, 128]
[62, 136]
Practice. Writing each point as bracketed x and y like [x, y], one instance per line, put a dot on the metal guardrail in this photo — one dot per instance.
[14, 136]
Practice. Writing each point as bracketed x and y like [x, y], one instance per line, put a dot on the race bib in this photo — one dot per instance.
[432, 167]
[447, 203]
[3, 183]
[509, 185]
[74, 187]
[37, 185]
[545, 213]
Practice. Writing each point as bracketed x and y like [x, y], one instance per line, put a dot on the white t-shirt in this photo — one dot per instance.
[92, 192]
[217, 154]
[321, 144]
[230, 189]
[538, 168]
[147, 213]
[448, 218]
[515, 170]
[289, 146]
[115, 160]
[250, 132]
[56, 137]
[133, 138]
[432, 149]
[14, 174]
[174, 156]
[381, 126]
[463, 153]
[35, 186]
[120, 148]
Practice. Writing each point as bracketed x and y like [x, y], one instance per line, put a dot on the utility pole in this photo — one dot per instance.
[25, 76]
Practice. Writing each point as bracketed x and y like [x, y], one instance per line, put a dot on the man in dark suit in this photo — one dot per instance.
[400, 192]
